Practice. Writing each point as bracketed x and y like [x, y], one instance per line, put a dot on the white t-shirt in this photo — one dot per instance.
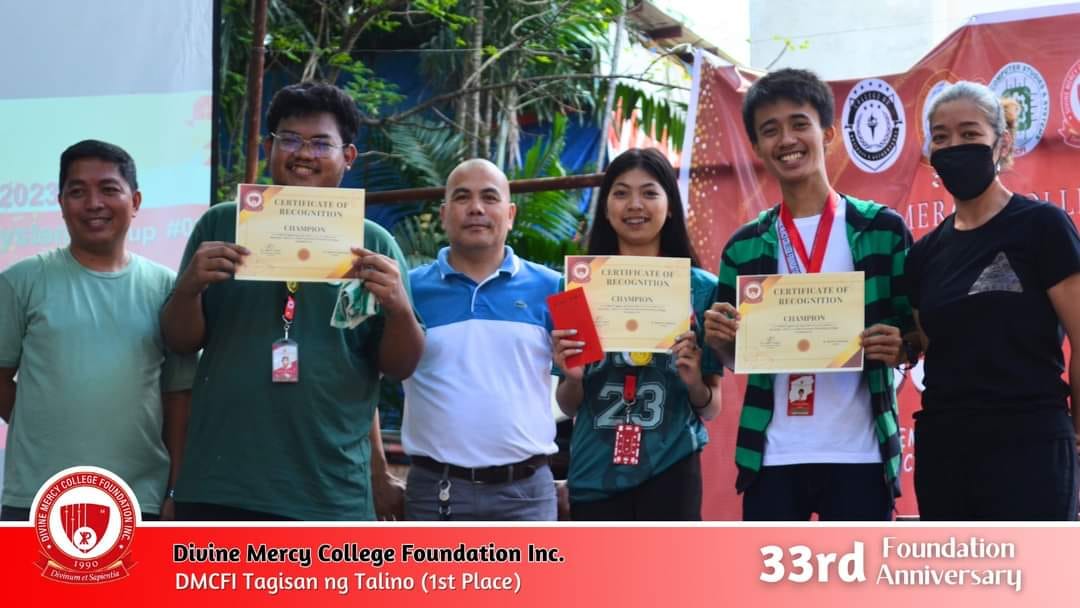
[841, 429]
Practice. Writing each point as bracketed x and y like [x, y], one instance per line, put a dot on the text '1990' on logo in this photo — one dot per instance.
[85, 519]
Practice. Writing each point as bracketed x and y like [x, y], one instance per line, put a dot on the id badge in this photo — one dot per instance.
[801, 395]
[627, 443]
[285, 361]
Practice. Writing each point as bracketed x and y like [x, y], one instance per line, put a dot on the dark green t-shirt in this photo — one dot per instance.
[671, 430]
[296, 450]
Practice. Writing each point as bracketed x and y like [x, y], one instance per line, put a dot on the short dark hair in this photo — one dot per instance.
[674, 238]
[798, 86]
[307, 98]
[110, 153]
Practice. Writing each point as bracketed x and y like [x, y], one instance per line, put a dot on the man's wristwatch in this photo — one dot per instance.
[170, 494]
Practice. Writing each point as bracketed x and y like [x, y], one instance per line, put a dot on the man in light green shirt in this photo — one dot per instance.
[96, 384]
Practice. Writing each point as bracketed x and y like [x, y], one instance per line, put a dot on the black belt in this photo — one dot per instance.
[499, 474]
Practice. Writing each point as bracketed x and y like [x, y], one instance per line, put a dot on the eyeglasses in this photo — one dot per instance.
[291, 143]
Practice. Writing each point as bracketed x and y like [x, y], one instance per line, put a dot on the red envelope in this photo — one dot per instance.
[570, 310]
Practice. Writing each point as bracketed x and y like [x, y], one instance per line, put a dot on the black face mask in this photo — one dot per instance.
[966, 170]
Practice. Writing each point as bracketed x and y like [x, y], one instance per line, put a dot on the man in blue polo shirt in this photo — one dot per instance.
[478, 421]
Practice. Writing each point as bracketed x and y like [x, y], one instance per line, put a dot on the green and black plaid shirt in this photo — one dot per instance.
[879, 242]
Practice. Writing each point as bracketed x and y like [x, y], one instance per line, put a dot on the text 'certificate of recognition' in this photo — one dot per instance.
[800, 323]
[298, 234]
[639, 303]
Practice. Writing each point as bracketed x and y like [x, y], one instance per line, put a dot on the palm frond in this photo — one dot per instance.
[547, 223]
[420, 236]
[425, 150]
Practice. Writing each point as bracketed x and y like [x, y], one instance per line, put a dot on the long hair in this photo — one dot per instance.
[674, 239]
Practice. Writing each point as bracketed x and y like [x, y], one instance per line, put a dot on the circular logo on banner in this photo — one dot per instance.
[581, 271]
[1070, 107]
[253, 201]
[873, 120]
[927, 103]
[752, 292]
[1023, 83]
[85, 520]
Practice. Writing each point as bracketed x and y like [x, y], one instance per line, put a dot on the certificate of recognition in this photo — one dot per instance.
[638, 303]
[800, 323]
[298, 234]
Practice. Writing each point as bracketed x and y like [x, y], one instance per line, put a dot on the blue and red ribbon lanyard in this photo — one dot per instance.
[791, 243]
[801, 402]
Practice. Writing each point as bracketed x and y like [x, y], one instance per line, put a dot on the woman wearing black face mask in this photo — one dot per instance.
[993, 286]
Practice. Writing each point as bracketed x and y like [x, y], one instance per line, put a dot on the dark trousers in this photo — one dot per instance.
[17, 514]
[202, 511]
[835, 492]
[996, 466]
[674, 495]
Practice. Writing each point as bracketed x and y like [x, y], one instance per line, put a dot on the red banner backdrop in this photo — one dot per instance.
[1032, 57]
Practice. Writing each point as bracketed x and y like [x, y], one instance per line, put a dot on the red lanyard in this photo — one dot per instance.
[290, 309]
[290, 306]
[630, 389]
[812, 262]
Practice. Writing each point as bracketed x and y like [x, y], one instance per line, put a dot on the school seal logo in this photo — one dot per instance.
[253, 200]
[874, 125]
[752, 292]
[85, 519]
[1023, 83]
[1070, 107]
[581, 272]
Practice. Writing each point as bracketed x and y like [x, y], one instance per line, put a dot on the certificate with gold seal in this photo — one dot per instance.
[298, 234]
[800, 323]
[638, 303]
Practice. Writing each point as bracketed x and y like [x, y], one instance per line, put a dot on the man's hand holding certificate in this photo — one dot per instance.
[298, 234]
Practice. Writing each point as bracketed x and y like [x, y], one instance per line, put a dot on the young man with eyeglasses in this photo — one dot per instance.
[93, 301]
[310, 449]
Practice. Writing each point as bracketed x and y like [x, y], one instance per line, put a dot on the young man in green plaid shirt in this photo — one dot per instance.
[823, 443]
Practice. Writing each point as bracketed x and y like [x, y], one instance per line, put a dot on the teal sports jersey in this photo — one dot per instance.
[671, 430]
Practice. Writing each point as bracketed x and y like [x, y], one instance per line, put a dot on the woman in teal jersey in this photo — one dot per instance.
[640, 213]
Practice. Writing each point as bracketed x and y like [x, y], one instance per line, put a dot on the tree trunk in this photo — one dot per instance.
[513, 132]
[472, 69]
[255, 89]
[605, 122]
[485, 125]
